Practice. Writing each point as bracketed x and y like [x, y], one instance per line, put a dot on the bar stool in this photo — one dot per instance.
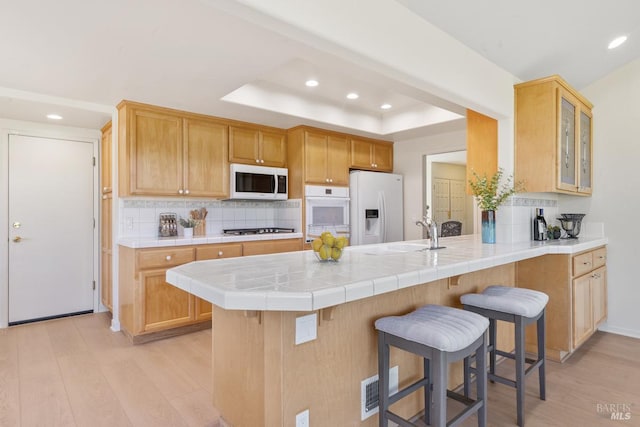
[520, 307]
[440, 335]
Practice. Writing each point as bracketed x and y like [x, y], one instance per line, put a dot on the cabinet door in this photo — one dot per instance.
[106, 282]
[204, 309]
[585, 174]
[599, 289]
[338, 160]
[273, 149]
[568, 112]
[315, 158]
[163, 305]
[105, 161]
[582, 310]
[383, 157]
[244, 145]
[361, 154]
[206, 168]
[155, 153]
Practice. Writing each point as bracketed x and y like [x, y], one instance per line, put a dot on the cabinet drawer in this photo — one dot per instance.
[599, 257]
[155, 258]
[219, 251]
[582, 264]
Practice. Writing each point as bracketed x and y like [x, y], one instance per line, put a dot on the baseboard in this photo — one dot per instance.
[619, 331]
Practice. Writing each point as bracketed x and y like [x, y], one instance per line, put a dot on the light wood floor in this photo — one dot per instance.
[76, 372]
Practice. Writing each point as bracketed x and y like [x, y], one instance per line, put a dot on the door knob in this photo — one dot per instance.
[17, 239]
[16, 224]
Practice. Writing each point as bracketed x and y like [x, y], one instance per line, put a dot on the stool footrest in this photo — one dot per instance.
[465, 413]
[399, 420]
[502, 380]
[408, 390]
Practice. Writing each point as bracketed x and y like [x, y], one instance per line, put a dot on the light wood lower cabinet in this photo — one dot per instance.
[203, 308]
[577, 289]
[152, 308]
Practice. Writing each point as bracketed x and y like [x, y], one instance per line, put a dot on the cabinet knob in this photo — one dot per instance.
[186, 191]
[220, 253]
[180, 191]
[168, 258]
[586, 263]
[106, 189]
[105, 197]
[257, 160]
[261, 161]
[330, 180]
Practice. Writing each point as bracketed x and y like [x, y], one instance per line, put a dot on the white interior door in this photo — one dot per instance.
[51, 229]
[441, 204]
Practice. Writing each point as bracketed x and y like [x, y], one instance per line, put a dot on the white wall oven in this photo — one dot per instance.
[327, 209]
[250, 182]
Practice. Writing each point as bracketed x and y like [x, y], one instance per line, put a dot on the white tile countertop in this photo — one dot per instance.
[150, 242]
[297, 281]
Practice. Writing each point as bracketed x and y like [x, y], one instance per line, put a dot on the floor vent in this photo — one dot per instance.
[369, 393]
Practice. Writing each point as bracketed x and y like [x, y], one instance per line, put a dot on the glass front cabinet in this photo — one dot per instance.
[553, 138]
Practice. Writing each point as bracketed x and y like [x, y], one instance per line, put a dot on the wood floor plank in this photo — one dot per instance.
[9, 383]
[197, 409]
[143, 403]
[43, 398]
[92, 399]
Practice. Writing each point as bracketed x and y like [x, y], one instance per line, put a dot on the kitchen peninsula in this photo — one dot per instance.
[260, 375]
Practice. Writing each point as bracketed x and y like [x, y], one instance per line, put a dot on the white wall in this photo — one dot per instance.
[615, 199]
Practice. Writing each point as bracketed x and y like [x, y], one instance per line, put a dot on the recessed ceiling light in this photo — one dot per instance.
[385, 106]
[617, 42]
[54, 116]
[311, 83]
[353, 95]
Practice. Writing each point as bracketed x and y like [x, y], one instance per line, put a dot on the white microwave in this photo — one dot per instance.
[250, 182]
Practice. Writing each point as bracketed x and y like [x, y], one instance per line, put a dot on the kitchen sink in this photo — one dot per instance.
[390, 248]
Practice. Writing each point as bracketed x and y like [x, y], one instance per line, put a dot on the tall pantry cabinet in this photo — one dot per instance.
[106, 204]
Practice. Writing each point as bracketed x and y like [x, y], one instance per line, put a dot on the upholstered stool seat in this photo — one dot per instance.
[440, 335]
[520, 307]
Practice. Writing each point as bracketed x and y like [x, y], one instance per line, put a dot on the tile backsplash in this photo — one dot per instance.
[139, 217]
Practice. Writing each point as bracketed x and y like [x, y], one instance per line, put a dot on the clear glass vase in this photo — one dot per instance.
[488, 226]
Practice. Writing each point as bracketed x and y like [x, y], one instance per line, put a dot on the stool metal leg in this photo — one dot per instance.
[427, 392]
[440, 379]
[542, 354]
[467, 376]
[520, 369]
[492, 345]
[481, 381]
[383, 380]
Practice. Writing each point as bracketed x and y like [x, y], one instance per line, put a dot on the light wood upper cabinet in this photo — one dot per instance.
[168, 153]
[257, 146]
[326, 159]
[553, 137]
[371, 155]
[206, 169]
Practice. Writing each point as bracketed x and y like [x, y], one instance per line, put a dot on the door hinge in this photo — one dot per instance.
[94, 285]
[94, 160]
[94, 223]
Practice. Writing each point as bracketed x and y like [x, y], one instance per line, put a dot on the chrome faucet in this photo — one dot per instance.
[431, 227]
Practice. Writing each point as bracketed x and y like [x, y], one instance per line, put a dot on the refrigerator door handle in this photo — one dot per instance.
[383, 216]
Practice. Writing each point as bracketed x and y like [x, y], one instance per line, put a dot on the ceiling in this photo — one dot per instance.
[177, 54]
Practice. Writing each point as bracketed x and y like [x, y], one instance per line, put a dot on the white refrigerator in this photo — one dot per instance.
[376, 207]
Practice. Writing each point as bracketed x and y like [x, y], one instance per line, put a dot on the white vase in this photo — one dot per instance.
[188, 232]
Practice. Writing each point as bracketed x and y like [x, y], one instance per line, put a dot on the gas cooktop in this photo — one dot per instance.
[263, 230]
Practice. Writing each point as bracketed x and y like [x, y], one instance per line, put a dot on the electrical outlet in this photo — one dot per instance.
[306, 328]
[302, 419]
[129, 223]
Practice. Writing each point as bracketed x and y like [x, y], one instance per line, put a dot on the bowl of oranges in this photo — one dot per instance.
[327, 247]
